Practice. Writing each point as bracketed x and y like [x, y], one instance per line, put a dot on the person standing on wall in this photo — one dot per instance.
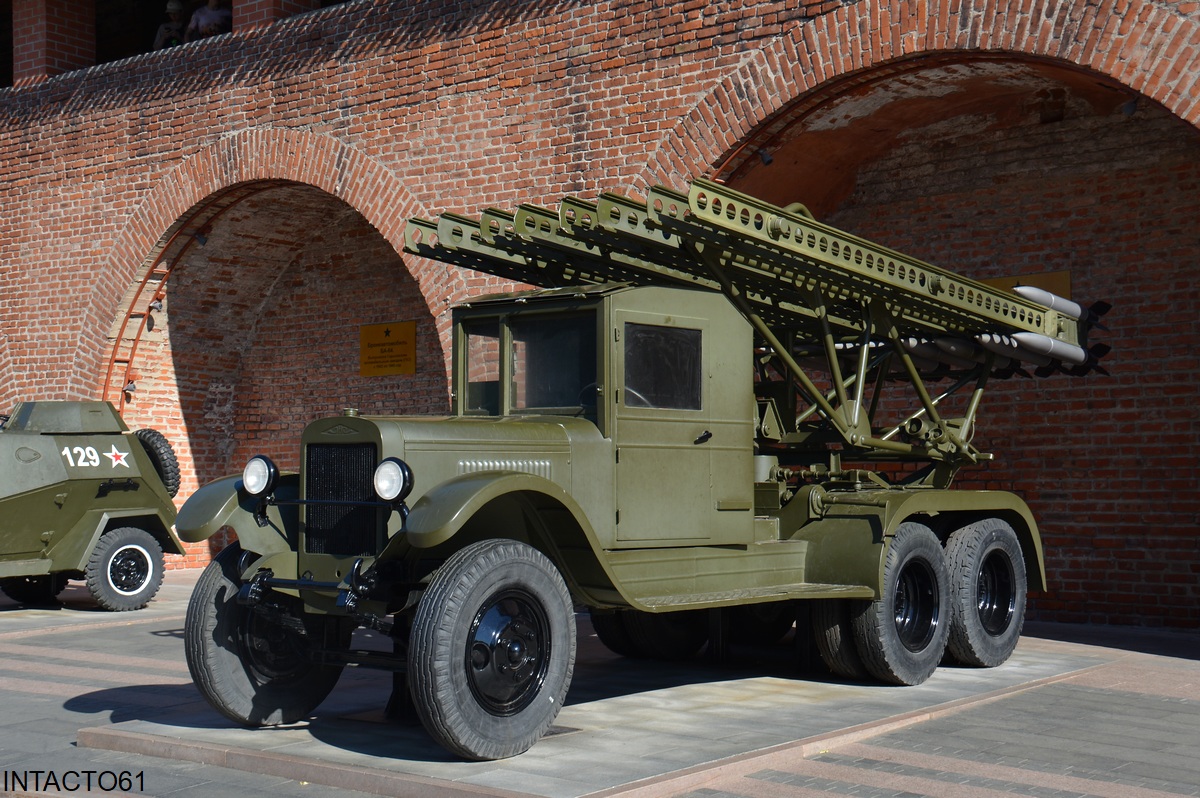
[170, 33]
[209, 20]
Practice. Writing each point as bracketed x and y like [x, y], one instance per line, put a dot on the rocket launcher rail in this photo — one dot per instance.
[811, 291]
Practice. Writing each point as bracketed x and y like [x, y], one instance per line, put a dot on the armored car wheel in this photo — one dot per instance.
[125, 569]
[492, 650]
[902, 635]
[988, 589]
[834, 637]
[42, 589]
[254, 664]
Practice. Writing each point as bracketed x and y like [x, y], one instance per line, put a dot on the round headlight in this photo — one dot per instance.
[260, 475]
[393, 480]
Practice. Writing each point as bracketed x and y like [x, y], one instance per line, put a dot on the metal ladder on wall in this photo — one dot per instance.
[148, 292]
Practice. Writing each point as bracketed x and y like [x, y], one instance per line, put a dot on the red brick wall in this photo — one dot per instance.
[51, 37]
[379, 111]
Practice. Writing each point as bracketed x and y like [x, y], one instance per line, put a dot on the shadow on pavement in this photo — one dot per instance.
[149, 702]
[353, 718]
[1179, 643]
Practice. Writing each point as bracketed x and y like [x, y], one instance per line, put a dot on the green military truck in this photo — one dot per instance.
[712, 413]
[82, 497]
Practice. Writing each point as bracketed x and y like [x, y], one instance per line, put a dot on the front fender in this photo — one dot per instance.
[225, 503]
[72, 550]
[441, 512]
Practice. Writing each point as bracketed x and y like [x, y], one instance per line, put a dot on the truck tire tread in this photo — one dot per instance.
[217, 659]
[901, 636]
[988, 577]
[443, 691]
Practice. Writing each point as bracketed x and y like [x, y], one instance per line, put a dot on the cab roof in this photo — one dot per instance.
[540, 295]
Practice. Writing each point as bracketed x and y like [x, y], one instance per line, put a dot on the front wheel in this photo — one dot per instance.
[902, 635]
[667, 636]
[492, 650]
[254, 665]
[988, 588]
[125, 569]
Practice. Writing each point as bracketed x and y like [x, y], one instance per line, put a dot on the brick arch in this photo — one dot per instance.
[1148, 47]
[245, 158]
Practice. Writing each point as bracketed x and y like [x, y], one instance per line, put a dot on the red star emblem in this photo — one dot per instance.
[118, 458]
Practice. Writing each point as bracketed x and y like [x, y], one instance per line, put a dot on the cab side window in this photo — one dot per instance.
[662, 367]
[483, 368]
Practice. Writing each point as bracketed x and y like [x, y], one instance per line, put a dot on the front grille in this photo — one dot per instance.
[341, 473]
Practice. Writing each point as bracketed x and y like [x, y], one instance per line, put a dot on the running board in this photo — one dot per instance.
[723, 598]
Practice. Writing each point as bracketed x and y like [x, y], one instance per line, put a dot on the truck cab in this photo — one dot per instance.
[664, 376]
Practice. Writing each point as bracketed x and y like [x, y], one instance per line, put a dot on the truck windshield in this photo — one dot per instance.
[552, 365]
[554, 360]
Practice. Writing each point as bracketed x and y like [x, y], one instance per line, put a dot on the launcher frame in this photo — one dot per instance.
[821, 300]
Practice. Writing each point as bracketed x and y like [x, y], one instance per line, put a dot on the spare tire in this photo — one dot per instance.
[162, 456]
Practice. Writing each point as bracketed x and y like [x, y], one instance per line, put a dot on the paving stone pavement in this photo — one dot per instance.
[1078, 711]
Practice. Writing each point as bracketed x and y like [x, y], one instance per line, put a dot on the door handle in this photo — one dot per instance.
[702, 437]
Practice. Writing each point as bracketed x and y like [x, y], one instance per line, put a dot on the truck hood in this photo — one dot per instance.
[441, 448]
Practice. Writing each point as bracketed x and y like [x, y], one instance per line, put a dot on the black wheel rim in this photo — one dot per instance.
[129, 569]
[916, 605]
[996, 593]
[274, 653]
[508, 652]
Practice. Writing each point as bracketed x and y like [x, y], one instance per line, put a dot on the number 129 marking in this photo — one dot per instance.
[82, 457]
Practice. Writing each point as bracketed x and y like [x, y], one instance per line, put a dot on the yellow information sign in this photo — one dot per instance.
[386, 349]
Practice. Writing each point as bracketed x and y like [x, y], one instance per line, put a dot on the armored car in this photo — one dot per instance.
[83, 497]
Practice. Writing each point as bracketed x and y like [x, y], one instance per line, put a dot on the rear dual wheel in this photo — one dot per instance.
[901, 636]
[967, 601]
[987, 571]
